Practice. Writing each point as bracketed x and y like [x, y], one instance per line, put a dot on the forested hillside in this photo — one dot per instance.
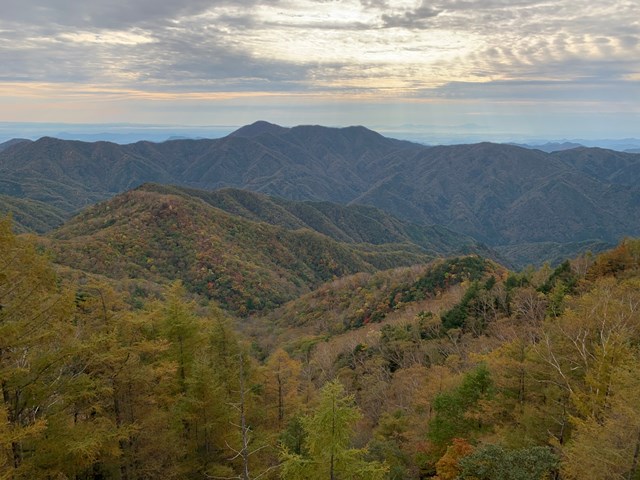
[455, 368]
[243, 265]
[31, 215]
[502, 195]
[344, 223]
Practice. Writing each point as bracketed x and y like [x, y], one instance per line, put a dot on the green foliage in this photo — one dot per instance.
[456, 317]
[441, 276]
[562, 275]
[243, 265]
[95, 387]
[493, 462]
[328, 436]
[334, 308]
[31, 215]
[387, 445]
[516, 280]
[477, 307]
[456, 411]
[399, 341]
[292, 439]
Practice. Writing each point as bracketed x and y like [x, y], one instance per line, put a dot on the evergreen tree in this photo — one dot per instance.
[454, 410]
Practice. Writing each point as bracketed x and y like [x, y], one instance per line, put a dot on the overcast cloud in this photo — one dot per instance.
[359, 50]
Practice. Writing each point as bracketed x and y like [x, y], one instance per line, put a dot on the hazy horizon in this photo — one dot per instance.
[124, 133]
[511, 69]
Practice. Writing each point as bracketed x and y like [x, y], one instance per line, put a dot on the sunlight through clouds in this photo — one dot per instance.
[478, 50]
[107, 37]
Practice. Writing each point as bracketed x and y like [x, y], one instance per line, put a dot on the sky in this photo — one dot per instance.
[481, 68]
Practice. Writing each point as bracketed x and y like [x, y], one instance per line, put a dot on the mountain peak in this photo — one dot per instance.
[351, 131]
[258, 128]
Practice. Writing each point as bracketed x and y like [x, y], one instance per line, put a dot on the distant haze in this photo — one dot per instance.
[425, 134]
[492, 69]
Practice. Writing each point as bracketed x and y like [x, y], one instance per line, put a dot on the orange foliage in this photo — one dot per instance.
[448, 467]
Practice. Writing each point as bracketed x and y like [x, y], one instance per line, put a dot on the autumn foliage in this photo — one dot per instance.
[452, 369]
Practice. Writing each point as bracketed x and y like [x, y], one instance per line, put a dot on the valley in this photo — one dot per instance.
[500, 195]
[205, 308]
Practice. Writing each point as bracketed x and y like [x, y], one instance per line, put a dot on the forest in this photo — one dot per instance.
[456, 368]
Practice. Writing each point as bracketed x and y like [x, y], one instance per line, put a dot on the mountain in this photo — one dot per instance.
[259, 128]
[306, 162]
[31, 215]
[551, 147]
[333, 309]
[71, 174]
[456, 357]
[344, 223]
[499, 194]
[502, 194]
[301, 163]
[245, 265]
[612, 167]
[554, 253]
[12, 142]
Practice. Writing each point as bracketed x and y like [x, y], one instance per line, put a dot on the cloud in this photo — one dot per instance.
[128, 45]
[417, 18]
[109, 14]
[582, 93]
[409, 48]
[374, 3]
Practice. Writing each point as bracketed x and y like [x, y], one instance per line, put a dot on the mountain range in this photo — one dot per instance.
[501, 195]
[160, 234]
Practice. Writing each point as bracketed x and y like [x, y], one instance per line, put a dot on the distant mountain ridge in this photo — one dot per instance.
[619, 168]
[550, 147]
[498, 194]
[12, 142]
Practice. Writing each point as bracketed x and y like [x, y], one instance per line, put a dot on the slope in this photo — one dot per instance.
[498, 194]
[344, 223]
[11, 143]
[613, 167]
[502, 194]
[31, 215]
[71, 175]
[333, 308]
[244, 265]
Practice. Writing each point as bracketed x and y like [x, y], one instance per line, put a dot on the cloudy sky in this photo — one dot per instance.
[555, 68]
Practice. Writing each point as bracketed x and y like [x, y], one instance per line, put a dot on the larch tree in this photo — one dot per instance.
[329, 455]
[282, 386]
[598, 340]
[35, 323]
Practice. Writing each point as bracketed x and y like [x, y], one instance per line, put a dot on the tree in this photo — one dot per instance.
[448, 467]
[492, 462]
[180, 327]
[456, 411]
[592, 353]
[203, 351]
[35, 328]
[282, 385]
[328, 454]
[390, 444]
